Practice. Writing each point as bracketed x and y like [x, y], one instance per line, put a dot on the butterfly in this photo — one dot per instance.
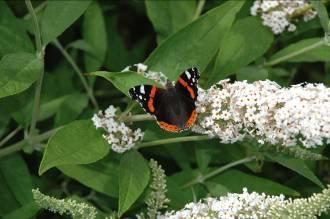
[173, 107]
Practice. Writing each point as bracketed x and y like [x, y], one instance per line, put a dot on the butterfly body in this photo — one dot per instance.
[173, 107]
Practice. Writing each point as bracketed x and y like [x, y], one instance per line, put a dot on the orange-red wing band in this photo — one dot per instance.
[168, 127]
[190, 90]
[151, 99]
[191, 119]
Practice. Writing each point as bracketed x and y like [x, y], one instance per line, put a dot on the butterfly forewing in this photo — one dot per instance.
[145, 95]
[187, 83]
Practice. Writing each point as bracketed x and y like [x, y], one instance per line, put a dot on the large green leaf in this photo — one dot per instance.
[298, 166]
[76, 143]
[101, 176]
[237, 50]
[27, 211]
[13, 37]
[168, 17]
[133, 178]
[308, 50]
[196, 44]
[59, 15]
[94, 33]
[16, 183]
[124, 80]
[16, 173]
[18, 71]
[236, 180]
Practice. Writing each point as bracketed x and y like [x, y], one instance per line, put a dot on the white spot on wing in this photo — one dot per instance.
[188, 74]
[142, 91]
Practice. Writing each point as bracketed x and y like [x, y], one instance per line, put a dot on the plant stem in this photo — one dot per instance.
[9, 136]
[295, 53]
[40, 55]
[37, 34]
[199, 9]
[37, 9]
[173, 140]
[135, 118]
[201, 179]
[66, 55]
[19, 145]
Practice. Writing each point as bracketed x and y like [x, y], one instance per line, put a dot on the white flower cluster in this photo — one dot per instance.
[266, 112]
[118, 134]
[254, 206]
[234, 205]
[280, 14]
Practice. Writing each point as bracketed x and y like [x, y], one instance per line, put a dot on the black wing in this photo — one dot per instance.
[146, 96]
[187, 83]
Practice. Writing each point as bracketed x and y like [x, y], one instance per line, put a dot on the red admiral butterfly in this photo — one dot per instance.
[173, 107]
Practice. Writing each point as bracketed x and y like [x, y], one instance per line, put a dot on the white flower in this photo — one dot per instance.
[119, 136]
[245, 205]
[279, 14]
[254, 206]
[263, 110]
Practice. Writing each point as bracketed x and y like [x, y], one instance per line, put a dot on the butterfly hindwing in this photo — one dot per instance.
[145, 95]
[187, 83]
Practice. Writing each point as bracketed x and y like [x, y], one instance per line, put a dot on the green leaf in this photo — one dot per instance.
[297, 165]
[67, 111]
[252, 73]
[236, 180]
[124, 80]
[16, 184]
[13, 37]
[25, 212]
[237, 50]
[196, 44]
[179, 154]
[133, 178]
[76, 143]
[203, 155]
[94, 33]
[18, 71]
[322, 14]
[16, 174]
[178, 196]
[59, 15]
[216, 189]
[309, 50]
[168, 17]
[101, 176]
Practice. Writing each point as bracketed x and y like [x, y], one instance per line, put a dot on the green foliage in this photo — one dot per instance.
[204, 35]
[18, 71]
[133, 178]
[94, 34]
[298, 166]
[237, 50]
[102, 176]
[76, 143]
[58, 16]
[13, 37]
[123, 81]
[84, 46]
[168, 17]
